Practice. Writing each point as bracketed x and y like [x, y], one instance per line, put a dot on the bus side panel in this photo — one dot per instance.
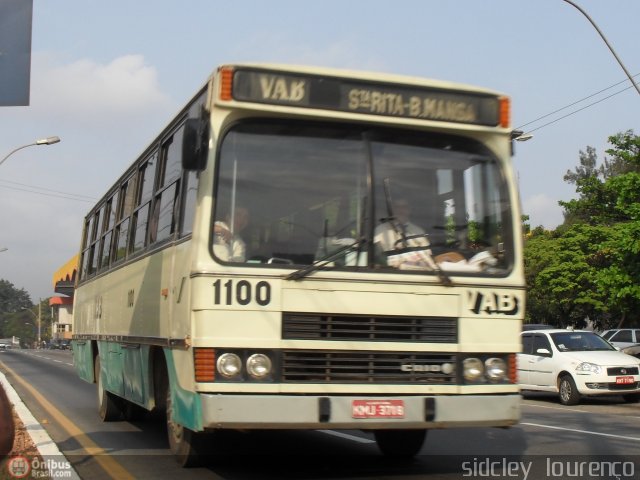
[112, 366]
[187, 407]
[179, 319]
[134, 372]
[83, 359]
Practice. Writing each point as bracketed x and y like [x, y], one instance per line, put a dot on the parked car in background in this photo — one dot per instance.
[59, 345]
[633, 350]
[536, 326]
[576, 364]
[622, 337]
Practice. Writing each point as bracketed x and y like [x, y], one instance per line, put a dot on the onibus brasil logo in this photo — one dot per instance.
[19, 467]
[23, 467]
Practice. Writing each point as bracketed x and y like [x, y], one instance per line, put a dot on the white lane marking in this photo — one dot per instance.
[622, 437]
[347, 436]
[45, 445]
[576, 410]
[556, 408]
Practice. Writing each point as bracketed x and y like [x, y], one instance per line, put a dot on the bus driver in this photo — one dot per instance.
[392, 234]
[227, 243]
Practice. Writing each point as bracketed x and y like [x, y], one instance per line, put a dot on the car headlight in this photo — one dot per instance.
[587, 367]
[495, 369]
[229, 365]
[259, 366]
[473, 369]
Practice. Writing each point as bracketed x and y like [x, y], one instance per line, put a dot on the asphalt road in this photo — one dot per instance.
[551, 441]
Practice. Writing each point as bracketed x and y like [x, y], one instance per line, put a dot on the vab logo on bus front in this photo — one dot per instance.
[493, 303]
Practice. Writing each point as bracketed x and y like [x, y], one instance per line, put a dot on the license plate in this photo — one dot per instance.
[377, 408]
[624, 380]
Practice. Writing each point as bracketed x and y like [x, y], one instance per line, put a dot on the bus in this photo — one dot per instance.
[307, 248]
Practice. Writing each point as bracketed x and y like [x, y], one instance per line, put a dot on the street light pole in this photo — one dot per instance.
[607, 43]
[39, 319]
[42, 141]
[39, 323]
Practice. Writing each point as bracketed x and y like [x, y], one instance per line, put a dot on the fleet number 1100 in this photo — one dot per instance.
[241, 292]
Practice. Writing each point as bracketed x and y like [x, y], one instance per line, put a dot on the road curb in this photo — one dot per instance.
[43, 442]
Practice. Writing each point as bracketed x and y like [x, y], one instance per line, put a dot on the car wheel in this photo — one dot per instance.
[569, 394]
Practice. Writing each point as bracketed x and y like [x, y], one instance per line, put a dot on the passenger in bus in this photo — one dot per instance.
[394, 233]
[228, 246]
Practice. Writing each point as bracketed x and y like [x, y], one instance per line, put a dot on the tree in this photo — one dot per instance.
[560, 280]
[625, 156]
[590, 265]
[12, 299]
[586, 169]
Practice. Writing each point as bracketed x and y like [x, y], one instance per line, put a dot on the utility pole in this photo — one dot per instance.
[39, 323]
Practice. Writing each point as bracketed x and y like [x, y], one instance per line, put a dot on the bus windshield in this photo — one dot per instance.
[350, 197]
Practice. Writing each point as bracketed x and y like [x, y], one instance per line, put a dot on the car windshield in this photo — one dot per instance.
[579, 342]
[341, 197]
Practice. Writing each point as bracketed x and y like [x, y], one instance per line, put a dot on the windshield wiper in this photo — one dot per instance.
[318, 264]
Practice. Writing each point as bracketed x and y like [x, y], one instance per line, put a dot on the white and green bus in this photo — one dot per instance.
[305, 248]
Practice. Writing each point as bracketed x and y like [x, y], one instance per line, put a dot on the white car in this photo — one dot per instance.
[622, 337]
[576, 363]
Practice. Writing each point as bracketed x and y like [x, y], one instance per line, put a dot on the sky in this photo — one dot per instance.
[107, 76]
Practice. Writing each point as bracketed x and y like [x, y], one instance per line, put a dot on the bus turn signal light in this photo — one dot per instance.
[226, 83]
[205, 364]
[505, 112]
[513, 368]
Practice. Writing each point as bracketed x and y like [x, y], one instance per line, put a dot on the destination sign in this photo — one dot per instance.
[372, 98]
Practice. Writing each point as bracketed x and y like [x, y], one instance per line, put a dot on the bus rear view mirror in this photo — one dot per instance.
[195, 144]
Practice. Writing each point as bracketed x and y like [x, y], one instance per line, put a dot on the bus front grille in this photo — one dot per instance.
[321, 366]
[304, 326]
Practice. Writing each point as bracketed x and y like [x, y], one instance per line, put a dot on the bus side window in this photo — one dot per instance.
[95, 241]
[190, 188]
[86, 241]
[107, 238]
[163, 220]
[141, 215]
[125, 207]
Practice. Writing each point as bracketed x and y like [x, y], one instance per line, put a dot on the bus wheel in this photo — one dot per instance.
[400, 443]
[184, 443]
[108, 404]
[133, 412]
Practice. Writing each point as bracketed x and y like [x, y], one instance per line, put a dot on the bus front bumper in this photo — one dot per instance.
[348, 412]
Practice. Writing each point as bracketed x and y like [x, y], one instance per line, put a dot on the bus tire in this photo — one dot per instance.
[108, 404]
[401, 444]
[185, 444]
[133, 412]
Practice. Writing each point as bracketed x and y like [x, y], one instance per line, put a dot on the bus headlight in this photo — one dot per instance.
[472, 369]
[495, 369]
[259, 366]
[229, 365]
